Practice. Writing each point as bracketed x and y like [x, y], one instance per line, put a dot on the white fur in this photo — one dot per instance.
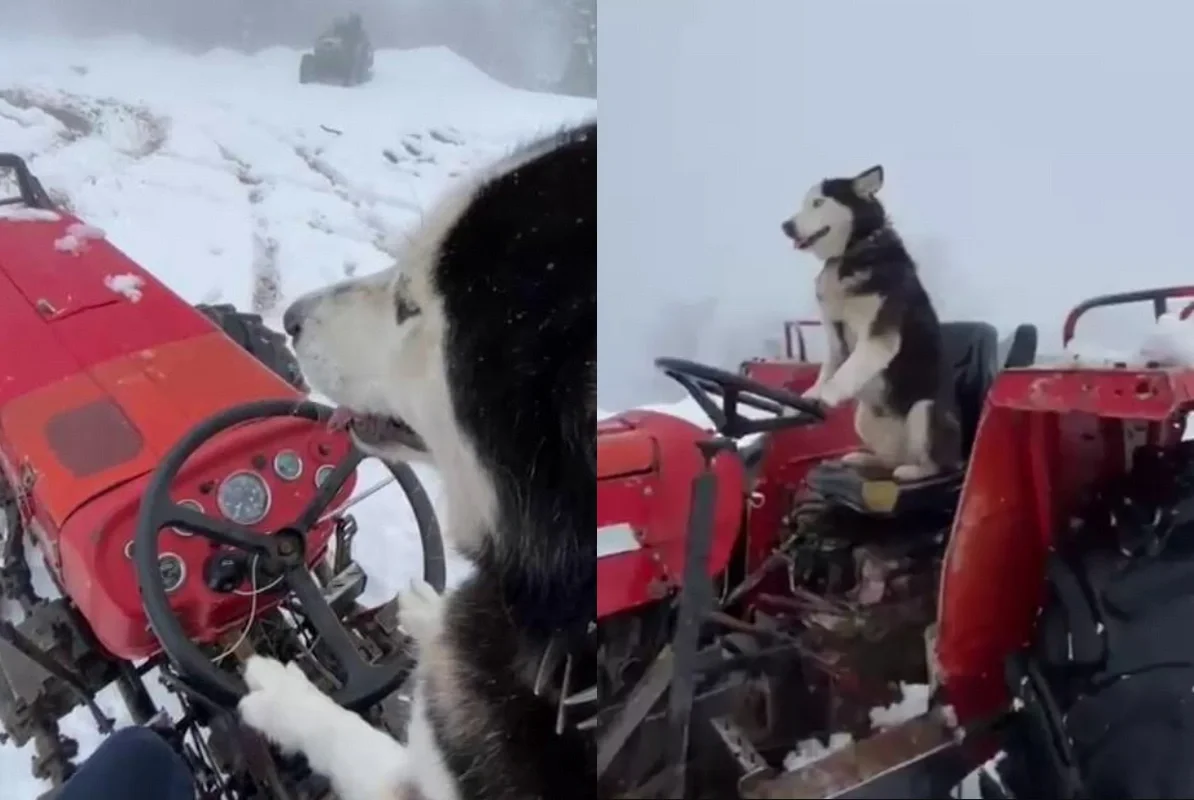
[354, 350]
[362, 762]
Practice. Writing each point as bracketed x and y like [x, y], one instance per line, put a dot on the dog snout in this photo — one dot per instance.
[789, 228]
[294, 317]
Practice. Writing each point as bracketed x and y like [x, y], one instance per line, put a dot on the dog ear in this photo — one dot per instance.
[868, 182]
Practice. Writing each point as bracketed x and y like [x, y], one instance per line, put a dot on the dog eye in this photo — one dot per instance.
[820, 201]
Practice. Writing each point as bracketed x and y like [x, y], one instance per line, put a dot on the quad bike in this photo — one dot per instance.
[754, 592]
[338, 60]
[191, 508]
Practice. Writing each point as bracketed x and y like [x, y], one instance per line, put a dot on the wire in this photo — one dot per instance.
[255, 591]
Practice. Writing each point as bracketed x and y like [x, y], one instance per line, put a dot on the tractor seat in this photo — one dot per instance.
[973, 351]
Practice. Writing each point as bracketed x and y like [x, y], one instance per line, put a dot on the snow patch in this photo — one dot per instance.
[76, 238]
[915, 701]
[18, 213]
[128, 285]
[1169, 343]
[812, 750]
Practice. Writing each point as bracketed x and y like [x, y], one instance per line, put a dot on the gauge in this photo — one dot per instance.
[288, 465]
[128, 549]
[194, 505]
[173, 571]
[322, 474]
[243, 497]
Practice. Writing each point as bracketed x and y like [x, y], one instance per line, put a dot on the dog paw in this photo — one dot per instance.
[282, 703]
[829, 396]
[913, 472]
[860, 458]
[421, 611]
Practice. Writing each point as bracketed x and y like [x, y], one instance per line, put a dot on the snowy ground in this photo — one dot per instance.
[232, 183]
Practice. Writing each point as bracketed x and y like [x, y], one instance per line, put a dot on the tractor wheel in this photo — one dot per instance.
[266, 345]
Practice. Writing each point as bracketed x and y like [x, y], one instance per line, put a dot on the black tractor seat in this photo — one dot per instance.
[977, 355]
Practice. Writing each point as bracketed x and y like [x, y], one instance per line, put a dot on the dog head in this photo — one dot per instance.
[477, 351]
[836, 213]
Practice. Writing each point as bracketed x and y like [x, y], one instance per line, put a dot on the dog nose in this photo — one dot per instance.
[789, 228]
[293, 317]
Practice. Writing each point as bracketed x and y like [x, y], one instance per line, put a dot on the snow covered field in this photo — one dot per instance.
[232, 183]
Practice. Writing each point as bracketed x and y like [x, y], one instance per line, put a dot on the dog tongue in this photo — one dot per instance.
[340, 418]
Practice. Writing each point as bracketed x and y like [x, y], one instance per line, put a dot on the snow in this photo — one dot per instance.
[128, 285]
[76, 238]
[1169, 343]
[22, 214]
[232, 183]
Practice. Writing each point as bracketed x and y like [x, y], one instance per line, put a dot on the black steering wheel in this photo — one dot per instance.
[282, 554]
[701, 381]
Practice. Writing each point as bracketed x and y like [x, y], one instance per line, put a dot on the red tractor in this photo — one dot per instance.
[189, 502]
[753, 595]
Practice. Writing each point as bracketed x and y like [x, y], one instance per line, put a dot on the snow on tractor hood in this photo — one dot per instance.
[109, 368]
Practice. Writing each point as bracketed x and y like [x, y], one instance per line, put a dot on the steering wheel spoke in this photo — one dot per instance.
[325, 621]
[328, 491]
[364, 682]
[221, 531]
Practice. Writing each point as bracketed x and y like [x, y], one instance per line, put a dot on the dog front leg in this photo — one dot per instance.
[870, 357]
[362, 762]
[835, 354]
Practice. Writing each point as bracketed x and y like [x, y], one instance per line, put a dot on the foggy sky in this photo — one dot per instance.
[521, 42]
[1035, 153]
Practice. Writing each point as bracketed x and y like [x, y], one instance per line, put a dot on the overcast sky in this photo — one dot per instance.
[1036, 153]
[518, 41]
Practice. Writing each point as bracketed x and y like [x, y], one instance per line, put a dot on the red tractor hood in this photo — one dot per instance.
[95, 383]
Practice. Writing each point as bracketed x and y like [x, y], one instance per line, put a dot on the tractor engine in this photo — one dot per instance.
[861, 590]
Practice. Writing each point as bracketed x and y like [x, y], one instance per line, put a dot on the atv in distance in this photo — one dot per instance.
[343, 56]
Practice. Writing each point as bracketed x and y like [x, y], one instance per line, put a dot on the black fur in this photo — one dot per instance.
[876, 256]
[518, 274]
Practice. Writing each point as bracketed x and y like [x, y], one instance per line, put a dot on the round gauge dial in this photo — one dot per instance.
[322, 474]
[244, 498]
[288, 465]
[173, 570]
[194, 505]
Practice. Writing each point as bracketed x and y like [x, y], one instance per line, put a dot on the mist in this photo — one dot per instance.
[1035, 154]
[523, 43]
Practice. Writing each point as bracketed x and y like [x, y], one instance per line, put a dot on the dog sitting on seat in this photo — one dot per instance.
[885, 347]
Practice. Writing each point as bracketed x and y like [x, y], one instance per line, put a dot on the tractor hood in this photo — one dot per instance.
[103, 367]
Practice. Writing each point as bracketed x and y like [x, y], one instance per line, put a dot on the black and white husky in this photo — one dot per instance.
[477, 351]
[884, 338]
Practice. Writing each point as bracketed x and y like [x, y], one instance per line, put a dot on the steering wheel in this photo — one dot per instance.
[282, 553]
[701, 381]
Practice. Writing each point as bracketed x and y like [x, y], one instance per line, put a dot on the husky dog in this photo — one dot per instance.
[476, 351]
[885, 348]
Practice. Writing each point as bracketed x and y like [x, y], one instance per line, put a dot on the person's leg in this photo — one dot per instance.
[131, 764]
